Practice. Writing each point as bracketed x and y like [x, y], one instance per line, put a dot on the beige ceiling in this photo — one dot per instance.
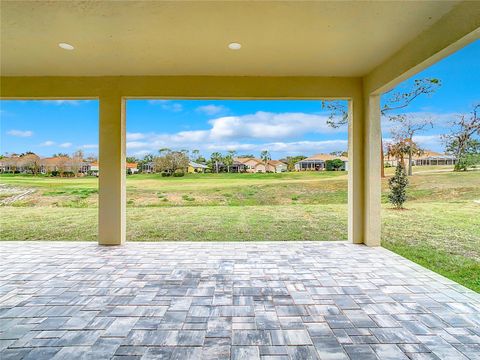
[323, 38]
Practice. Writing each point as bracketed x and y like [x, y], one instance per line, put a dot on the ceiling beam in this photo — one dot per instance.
[214, 87]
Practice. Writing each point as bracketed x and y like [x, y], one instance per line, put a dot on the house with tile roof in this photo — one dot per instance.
[254, 165]
[426, 158]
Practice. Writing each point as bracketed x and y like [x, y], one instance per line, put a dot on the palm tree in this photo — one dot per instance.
[195, 154]
[163, 150]
[229, 158]
[216, 157]
[265, 156]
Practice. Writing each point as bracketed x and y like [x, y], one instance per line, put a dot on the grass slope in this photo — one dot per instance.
[440, 229]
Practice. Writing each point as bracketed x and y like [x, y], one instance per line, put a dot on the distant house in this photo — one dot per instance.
[148, 168]
[253, 165]
[61, 164]
[278, 165]
[238, 167]
[132, 168]
[194, 167]
[318, 162]
[250, 165]
[27, 163]
[427, 158]
[433, 158]
[94, 168]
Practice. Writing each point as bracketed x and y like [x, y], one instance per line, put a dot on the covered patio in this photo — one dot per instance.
[229, 300]
[302, 300]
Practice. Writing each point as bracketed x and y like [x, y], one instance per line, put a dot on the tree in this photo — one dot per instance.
[265, 156]
[13, 162]
[216, 159]
[131, 159]
[339, 153]
[246, 156]
[461, 141]
[76, 162]
[164, 151]
[398, 187]
[334, 165]
[149, 158]
[30, 161]
[338, 111]
[228, 159]
[171, 162]
[400, 148]
[195, 155]
[292, 160]
[407, 127]
[61, 164]
[61, 155]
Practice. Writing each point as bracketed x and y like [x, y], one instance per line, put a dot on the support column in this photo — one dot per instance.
[373, 163]
[364, 175]
[355, 171]
[112, 191]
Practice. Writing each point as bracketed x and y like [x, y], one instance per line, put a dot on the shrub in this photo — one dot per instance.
[467, 161]
[398, 187]
[178, 174]
[165, 174]
[334, 165]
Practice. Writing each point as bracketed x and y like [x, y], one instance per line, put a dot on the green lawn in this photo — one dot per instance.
[440, 228]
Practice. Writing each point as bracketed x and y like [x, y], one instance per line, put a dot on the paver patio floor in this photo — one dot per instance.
[282, 300]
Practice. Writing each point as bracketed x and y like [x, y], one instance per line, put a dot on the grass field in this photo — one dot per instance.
[440, 228]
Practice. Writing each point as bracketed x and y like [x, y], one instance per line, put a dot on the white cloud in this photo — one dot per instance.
[286, 148]
[266, 125]
[167, 105]
[137, 144]
[135, 136]
[65, 145]
[430, 142]
[277, 132]
[212, 109]
[62, 102]
[48, 143]
[90, 146]
[20, 133]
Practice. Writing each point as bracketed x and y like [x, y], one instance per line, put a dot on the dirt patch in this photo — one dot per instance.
[13, 194]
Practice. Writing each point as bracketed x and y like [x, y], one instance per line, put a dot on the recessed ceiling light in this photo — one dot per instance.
[66, 46]
[234, 46]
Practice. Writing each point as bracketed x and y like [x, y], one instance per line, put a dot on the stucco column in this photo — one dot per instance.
[373, 163]
[356, 158]
[112, 191]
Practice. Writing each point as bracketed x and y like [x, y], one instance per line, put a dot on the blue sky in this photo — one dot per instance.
[283, 127]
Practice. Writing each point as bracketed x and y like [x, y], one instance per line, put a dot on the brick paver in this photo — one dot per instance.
[281, 300]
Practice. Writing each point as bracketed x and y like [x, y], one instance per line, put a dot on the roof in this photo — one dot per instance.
[131, 165]
[276, 162]
[243, 160]
[358, 36]
[55, 160]
[324, 157]
[197, 165]
[428, 153]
